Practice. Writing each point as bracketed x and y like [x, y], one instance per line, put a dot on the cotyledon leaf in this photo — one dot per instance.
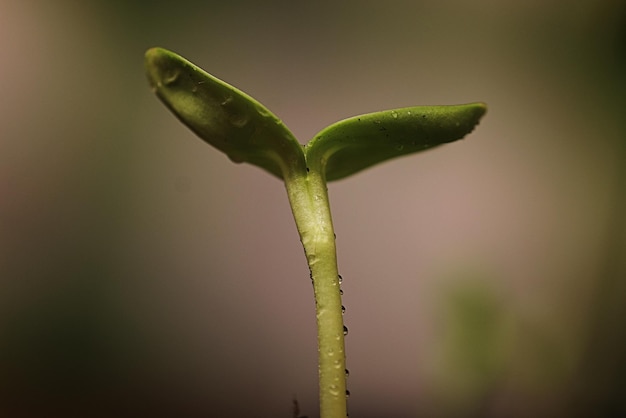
[223, 116]
[246, 131]
[354, 144]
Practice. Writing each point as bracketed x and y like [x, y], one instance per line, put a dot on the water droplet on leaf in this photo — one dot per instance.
[262, 111]
[171, 77]
[238, 120]
[345, 330]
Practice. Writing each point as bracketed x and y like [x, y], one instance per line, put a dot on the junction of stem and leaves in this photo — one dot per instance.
[246, 131]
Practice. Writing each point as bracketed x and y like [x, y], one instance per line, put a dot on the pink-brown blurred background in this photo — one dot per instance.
[144, 274]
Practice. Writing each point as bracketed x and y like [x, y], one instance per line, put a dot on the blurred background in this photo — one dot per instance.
[144, 274]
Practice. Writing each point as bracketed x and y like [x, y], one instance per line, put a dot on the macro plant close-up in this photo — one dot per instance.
[246, 131]
[416, 203]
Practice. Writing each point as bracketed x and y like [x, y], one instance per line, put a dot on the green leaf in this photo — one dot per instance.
[223, 116]
[246, 131]
[354, 144]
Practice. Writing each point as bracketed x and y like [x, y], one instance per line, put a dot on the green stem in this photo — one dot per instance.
[308, 197]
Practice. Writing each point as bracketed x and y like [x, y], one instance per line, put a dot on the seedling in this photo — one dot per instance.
[246, 131]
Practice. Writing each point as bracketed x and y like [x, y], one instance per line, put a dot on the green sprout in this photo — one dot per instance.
[246, 131]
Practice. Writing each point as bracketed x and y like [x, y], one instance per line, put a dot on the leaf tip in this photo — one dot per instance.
[480, 108]
[152, 59]
[162, 66]
[468, 117]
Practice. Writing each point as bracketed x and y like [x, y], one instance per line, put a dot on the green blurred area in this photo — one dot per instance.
[144, 274]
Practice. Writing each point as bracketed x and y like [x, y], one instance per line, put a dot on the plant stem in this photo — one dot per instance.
[308, 197]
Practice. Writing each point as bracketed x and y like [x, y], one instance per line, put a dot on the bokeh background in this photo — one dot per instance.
[144, 274]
